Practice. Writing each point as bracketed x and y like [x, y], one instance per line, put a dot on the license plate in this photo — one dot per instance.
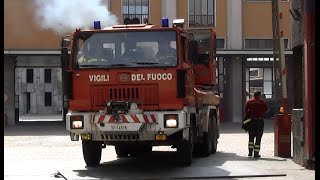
[119, 127]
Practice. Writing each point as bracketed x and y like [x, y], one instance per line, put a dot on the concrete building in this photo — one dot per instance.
[303, 119]
[244, 32]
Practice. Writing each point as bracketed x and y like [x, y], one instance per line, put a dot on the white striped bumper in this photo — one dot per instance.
[134, 118]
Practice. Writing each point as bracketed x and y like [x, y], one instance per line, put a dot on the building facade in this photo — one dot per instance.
[303, 120]
[244, 32]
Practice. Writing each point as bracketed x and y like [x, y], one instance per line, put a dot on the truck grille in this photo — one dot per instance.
[146, 94]
[120, 137]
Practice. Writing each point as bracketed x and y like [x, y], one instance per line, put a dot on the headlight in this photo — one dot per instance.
[170, 120]
[76, 122]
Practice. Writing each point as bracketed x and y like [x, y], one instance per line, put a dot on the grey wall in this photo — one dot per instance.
[233, 93]
[37, 91]
[38, 88]
[8, 88]
[234, 18]
[38, 61]
[298, 57]
[298, 25]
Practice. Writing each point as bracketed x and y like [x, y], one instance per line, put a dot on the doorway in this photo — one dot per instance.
[28, 103]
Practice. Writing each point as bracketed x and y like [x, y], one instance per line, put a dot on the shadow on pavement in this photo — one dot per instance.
[39, 128]
[157, 165]
[225, 156]
[232, 128]
[162, 165]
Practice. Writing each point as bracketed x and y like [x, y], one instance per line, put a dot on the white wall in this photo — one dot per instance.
[169, 10]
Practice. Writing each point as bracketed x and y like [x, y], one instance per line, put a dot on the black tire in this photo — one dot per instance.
[184, 153]
[207, 144]
[197, 149]
[185, 150]
[215, 136]
[92, 152]
[121, 150]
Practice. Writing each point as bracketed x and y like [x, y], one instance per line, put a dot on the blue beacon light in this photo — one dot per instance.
[165, 22]
[96, 25]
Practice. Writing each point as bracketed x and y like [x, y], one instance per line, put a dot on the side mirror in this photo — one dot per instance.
[65, 43]
[64, 58]
[193, 51]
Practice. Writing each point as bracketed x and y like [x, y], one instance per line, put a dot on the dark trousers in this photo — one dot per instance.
[255, 135]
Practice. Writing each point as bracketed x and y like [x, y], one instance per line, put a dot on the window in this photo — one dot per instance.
[201, 13]
[48, 99]
[47, 75]
[29, 75]
[131, 49]
[28, 103]
[259, 79]
[220, 44]
[135, 9]
[253, 73]
[286, 43]
[262, 43]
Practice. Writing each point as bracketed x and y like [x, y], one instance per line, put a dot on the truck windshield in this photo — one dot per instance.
[129, 49]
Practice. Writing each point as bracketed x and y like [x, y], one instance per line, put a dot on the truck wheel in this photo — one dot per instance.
[122, 151]
[215, 137]
[184, 153]
[185, 150]
[208, 137]
[92, 152]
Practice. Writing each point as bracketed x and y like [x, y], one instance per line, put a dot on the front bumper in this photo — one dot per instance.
[129, 127]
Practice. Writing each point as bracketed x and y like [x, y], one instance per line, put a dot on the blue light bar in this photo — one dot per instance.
[96, 25]
[165, 22]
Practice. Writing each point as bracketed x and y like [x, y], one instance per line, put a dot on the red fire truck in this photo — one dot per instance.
[135, 86]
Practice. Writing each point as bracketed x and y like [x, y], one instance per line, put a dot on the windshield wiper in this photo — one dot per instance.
[118, 65]
[145, 63]
[91, 65]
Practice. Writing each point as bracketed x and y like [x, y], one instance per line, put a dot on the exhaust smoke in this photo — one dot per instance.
[64, 16]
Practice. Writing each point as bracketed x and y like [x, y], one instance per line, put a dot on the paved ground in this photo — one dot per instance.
[40, 150]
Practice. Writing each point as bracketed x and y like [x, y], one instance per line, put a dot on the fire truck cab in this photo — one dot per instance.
[135, 86]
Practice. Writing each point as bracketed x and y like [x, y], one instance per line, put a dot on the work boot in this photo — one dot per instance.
[256, 155]
[250, 153]
[256, 151]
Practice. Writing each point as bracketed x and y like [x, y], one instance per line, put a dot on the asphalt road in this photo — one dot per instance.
[44, 151]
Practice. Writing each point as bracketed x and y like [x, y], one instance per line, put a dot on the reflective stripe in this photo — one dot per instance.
[256, 150]
[246, 121]
[250, 145]
[257, 146]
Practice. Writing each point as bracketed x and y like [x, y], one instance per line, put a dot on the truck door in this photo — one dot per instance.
[205, 64]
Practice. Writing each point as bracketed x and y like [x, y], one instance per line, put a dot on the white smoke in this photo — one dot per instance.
[64, 16]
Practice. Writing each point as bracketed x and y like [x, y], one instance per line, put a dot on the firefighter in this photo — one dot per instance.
[257, 108]
[166, 54]
[92, 51]
[165, 48]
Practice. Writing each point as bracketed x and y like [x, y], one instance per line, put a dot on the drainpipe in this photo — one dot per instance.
[309, 48]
